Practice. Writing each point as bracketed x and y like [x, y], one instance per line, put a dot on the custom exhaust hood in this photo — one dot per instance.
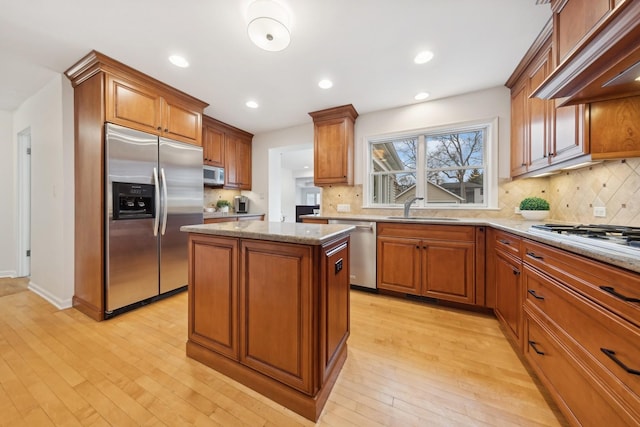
[605, 65]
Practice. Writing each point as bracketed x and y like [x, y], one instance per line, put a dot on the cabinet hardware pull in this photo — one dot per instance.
[417, 246]
[504, 242]
[159, 128]
[166, 129]
[613, 292]
[612, 355]
[536, 296]
[533, 346]
[524, 164]
[533, 255]
[516, 272]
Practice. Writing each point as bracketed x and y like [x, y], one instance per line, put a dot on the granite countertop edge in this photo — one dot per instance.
[520, 228]
[210, 215]
[298, 233]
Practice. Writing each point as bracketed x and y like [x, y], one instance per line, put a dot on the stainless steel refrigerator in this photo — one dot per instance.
[153, 186]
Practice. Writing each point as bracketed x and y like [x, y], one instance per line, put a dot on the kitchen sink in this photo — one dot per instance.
[424, 218]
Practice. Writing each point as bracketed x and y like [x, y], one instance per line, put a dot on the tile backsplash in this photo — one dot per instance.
[614, 185]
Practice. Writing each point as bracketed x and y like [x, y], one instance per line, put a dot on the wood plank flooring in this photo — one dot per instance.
[409, 364]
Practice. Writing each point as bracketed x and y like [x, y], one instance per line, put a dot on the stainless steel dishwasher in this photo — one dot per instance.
[362, 254]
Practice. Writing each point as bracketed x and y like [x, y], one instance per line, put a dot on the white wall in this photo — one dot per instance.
[49, 115]
[8, 261]
[486, 104]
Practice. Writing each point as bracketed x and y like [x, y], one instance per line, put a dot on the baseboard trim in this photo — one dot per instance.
[9, 273]
[57, 302]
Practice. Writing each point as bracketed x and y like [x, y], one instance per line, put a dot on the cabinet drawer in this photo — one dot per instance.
[580, 396]
[605, 340]
[606, 285]
[464, 233]
[507, 243]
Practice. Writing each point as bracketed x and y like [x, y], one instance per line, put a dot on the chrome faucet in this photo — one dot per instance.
[408, 204]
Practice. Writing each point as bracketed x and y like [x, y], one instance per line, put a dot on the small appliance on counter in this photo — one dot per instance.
[241, 204]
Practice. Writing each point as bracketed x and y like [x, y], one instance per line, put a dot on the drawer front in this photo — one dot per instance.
[464, 233]
[507, 242]
[608, 341]
[614, 288]
[579, 396]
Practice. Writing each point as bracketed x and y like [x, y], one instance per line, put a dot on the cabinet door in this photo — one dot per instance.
[180, 122]
[132, 105]
[398, 264]
[243, 166]
[213, 146]
[332, 152]
[569, 136]
[230, 162]
[519, 129]
[540, 113]
[213, 294]
[574, 20]
[508, 308]
[448, 271]
[276, 294]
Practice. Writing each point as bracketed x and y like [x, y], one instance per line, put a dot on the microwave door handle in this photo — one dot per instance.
[157, 202]
[165, 207]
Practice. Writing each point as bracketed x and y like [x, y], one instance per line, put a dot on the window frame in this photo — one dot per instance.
[490, 156]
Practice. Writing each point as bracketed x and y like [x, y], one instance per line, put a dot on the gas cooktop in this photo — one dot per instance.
[615, 238]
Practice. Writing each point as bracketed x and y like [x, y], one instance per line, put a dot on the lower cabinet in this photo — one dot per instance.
[272, 315]
[437, 261]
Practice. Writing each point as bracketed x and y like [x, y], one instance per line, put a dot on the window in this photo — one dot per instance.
[448, 167]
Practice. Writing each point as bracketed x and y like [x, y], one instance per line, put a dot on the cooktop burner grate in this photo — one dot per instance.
[614, 234]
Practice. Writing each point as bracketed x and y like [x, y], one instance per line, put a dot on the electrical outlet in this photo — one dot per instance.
[343, 207]
[600, 211]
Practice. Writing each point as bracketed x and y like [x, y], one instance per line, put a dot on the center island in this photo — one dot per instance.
[269, 306]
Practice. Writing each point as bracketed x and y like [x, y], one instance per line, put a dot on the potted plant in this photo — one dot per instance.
[534, 208]
[223, 205]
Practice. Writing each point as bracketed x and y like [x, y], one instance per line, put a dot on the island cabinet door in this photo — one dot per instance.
[276, 306]
[213, 293]
[334, 304]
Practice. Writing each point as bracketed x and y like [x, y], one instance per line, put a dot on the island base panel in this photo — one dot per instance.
[309, 407]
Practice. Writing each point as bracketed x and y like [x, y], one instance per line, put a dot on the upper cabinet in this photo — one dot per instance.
[596, 51]
[543, 134]
[145, 108]
[333, 145]
[229, 147]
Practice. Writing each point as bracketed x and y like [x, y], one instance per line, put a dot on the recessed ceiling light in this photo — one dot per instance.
[325, 83]
[252, 104]
[179, 61]
[421, 96]
[306, 167]
[423, 57]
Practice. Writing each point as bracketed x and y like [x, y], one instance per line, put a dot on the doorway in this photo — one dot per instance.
[24, 203]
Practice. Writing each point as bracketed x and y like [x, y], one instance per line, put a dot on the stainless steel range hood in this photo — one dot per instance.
[604, 66]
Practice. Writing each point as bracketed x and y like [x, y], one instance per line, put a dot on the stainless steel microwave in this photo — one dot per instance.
[213, 176]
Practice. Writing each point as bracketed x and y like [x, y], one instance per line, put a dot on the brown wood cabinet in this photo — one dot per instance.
[107, 90]
[543, 134]
[333, 145]
[437, 261]
[582, 334]
[228, 147]
[212, 143]
[504, 275]
[143, 107]
[272, 315]
[615, 128]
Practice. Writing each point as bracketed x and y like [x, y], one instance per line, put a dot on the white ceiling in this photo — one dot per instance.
[365, 46]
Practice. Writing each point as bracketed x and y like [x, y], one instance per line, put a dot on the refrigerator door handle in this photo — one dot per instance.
[157, 203]
[165, 207]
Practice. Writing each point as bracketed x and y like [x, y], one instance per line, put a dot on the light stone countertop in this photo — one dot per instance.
[520, 228]
[209, 215]
[287, 232]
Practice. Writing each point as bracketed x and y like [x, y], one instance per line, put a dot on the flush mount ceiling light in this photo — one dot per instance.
[325, 83]
[268, 25]
[423, 57]
[252, 104]
[178, 61]
[421, 96]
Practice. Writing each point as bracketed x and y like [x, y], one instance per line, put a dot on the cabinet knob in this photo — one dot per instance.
[524, 164]
[550, 154]
[159, 128]
[166, 129]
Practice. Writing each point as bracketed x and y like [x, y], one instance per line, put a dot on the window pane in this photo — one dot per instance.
[455, 149]
[396, 155]
[461, 186]
[390, 188]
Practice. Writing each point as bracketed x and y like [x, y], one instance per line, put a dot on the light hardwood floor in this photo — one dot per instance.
[409, 364]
